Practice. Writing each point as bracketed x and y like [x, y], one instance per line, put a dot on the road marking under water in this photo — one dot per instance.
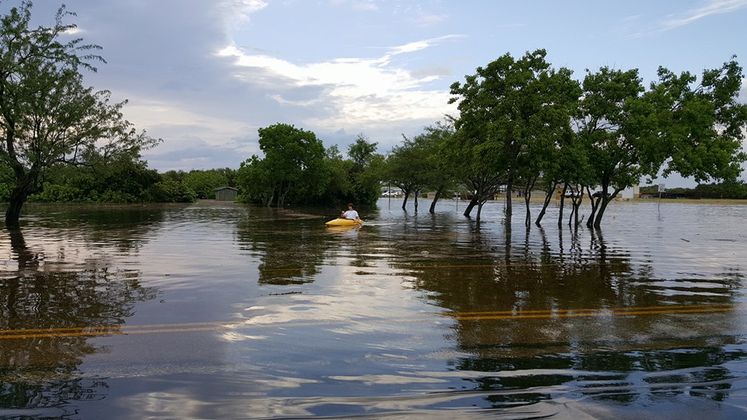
[94, 331]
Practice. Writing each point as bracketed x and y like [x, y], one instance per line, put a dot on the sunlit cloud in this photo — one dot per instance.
[153, 113]
[240, 10]
[74, 31]
[362, 92]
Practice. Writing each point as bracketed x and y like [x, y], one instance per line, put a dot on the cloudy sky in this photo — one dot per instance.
[204, 75]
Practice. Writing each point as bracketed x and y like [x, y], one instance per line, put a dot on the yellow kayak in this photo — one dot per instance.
[344, 222]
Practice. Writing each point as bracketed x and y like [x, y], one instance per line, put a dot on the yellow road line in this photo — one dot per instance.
[114, 327]
[102, 333]
[95, 331]
[590, 314]
[611, 309]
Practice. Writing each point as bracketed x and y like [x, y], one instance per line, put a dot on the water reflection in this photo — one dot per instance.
[47, 315]
[290, 249]
[534, 315]
[272, 314]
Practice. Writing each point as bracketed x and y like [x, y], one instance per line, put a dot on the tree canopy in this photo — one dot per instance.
[47, 114]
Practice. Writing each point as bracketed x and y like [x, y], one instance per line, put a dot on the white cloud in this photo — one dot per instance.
[430, 19]
[360, 92]
[710, 7]
[214, 132]
[361, 5]
[74, 31]
[238, 11]
[678, 20]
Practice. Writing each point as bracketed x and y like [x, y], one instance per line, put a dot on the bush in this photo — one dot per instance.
[170, 191]
[52, 193]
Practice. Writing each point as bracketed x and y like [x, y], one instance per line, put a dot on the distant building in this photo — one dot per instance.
[226, 193]
[630, 193]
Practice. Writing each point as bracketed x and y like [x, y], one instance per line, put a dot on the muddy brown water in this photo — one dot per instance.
[226, 311]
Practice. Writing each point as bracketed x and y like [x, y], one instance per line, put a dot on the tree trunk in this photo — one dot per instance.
[509, 192]
[15, 203]
[528, 218]
[594, 206]
[470, 206]
[432, 210]
[606, 198]
[479, 209]
[562, 204]
[573, 211]
[281, 198]
[548, 197]
[576, 208]
[404, 202]
[416, 200]
[527, 198]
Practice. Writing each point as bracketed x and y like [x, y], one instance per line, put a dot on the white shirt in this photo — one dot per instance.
[351, 214]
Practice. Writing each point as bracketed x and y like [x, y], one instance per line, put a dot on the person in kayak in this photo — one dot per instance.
[350, 214]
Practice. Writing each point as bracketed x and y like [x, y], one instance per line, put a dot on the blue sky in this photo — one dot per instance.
[205, 75]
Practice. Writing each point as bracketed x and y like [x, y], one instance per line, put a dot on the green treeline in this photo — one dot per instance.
[122, 181]
[725, 190]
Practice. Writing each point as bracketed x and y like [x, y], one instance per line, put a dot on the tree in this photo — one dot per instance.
[406, 167]
[47, 115]
[504, 107]
[630, 132]
[362, 151]
[203, 183]
[707, 123]
[547, 126]
[613, 126]
[440, 174]
[255, 181]
[292, 168]
[365, 172]
[479, 165]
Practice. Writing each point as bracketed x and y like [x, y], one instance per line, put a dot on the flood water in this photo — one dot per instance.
[226, 311]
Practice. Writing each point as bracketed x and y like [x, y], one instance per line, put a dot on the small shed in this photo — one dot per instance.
[226, 193]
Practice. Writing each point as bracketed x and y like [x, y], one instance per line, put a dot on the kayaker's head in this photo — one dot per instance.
[350, 206]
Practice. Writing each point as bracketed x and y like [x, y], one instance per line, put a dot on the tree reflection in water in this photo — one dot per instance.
[48, 307]
[594, 353]
[290, 251]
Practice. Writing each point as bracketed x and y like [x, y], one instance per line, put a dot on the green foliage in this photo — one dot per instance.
[254, 180]
[171, 191]
[630, 132]
[512, 114]
[706, 124]
[423, 162]
[119, 179]
[407, 166]
[365, 172]
[49, 116]
[204, 182]
[296, 169]
[7, 179]
[290, 170]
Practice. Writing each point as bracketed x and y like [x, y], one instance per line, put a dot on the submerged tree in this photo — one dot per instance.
[478, 166]
[365, 172]
[630, 133]
[510, 106]
[407, 168]
[292, 168]
[47, 115]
